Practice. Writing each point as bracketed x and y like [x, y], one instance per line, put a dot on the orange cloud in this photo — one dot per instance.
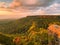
[6, 13]
[15, 3]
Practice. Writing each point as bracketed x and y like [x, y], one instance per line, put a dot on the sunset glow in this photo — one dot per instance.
[16, 7]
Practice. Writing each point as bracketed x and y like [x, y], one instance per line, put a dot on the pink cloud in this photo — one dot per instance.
[15, 3]
[30, 2]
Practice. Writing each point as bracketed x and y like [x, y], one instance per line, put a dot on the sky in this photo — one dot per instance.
[12, 9]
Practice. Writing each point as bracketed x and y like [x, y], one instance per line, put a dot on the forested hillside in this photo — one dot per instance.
[23, 24]
[30, 30]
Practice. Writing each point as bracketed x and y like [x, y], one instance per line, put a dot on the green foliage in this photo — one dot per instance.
[5, 40]
[23, 24]
[32, 30]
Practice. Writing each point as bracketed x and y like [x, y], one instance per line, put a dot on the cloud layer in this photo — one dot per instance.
[18, 8]
[37, 6]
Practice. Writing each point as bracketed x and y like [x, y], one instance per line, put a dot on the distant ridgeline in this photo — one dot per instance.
[22, 25]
